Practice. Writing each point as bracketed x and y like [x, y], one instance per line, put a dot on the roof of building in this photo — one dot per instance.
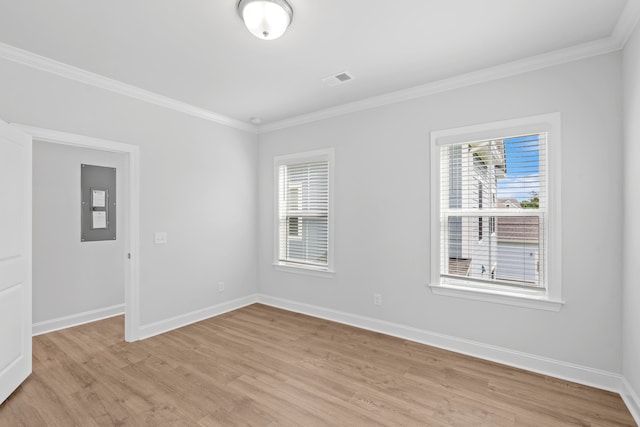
[507, 203]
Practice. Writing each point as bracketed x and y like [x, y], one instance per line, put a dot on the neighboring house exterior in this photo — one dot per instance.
[518, 249]
[518, 242]
[508, 203]
[490, 246]
[472, 181]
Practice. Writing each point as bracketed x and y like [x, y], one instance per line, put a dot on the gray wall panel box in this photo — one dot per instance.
[98, 204]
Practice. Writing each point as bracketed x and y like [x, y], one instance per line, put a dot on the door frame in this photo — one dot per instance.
[132, 265]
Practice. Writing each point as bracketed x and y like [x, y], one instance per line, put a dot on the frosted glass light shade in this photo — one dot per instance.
[265, 19]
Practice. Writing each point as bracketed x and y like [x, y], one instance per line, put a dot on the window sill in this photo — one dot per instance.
[307, 271]
[499, 296]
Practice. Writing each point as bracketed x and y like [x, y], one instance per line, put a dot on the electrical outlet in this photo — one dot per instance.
[160, 238]
[377, 299]
[220, 286]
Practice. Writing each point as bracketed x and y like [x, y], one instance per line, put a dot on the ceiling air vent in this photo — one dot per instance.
[338, 79]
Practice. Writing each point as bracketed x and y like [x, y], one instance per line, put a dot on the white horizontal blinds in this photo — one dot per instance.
[304, 213]
[493, 204]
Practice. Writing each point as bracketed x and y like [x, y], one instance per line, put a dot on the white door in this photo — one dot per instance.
[15, 258]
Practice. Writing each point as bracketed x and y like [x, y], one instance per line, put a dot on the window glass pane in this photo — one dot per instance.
[455, 176]
[304, 211]
[455, 237]
[521, 182]
[502, 178]
[518, 249]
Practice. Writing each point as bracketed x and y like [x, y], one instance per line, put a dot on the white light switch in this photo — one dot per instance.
[161, 237]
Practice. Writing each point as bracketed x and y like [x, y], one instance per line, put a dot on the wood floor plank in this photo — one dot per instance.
[261, 366]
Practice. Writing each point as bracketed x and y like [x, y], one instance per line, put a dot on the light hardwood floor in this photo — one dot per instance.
[266, 367]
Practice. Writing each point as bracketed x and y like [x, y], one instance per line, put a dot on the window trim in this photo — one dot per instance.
[291, 159]
[548, 299]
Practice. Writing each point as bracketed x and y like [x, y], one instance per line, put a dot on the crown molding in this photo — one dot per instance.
[627, 22]
[625, 26]
[42, 63]
[509, 69]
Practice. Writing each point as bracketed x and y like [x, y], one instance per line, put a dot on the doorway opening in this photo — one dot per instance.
[131, 233]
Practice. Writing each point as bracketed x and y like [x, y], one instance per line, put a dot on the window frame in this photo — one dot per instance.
[549, 298]
[293, 159]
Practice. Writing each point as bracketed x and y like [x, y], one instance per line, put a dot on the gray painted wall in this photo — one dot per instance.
[197, 183]
[70, 276]
[631, 243]
[382, 213]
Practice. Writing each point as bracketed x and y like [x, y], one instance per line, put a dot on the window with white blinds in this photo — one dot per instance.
[304, 211]
[493, 201]
[496, 212]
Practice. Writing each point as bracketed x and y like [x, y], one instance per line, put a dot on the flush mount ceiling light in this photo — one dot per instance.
[265, 19]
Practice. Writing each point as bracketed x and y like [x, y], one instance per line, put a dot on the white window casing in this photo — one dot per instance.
[496, 212]
[303, 213]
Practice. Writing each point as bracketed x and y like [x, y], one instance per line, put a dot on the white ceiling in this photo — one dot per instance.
[198, 51]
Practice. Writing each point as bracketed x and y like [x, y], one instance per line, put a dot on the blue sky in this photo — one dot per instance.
[523, 168]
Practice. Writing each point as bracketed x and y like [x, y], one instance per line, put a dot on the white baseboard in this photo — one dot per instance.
[631, 399]
[568, 371]
[76, 319]
[162, 326]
